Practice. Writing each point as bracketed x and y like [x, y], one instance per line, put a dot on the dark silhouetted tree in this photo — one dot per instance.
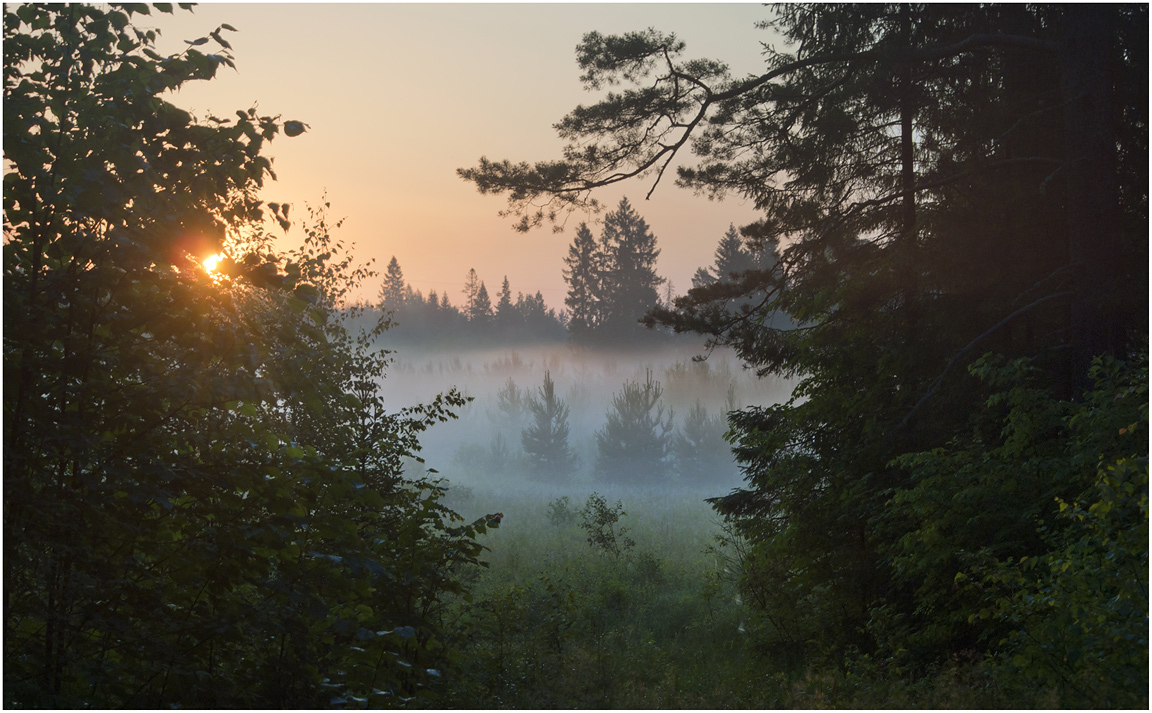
[508, 320]
[582, 273]
[628, 280]
[942, 181]
[394, 289]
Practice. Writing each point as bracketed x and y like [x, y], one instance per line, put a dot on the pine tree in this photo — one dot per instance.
[633, 446]
[702, 454]
[471, 291]
[545, 440]
[945, 181]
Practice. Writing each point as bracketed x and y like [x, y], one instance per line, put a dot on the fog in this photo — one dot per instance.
[482, 451]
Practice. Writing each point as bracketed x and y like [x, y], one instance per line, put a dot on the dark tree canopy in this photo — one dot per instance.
[205, 502]
[939, 182]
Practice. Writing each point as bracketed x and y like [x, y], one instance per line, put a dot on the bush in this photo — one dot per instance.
[600, 521]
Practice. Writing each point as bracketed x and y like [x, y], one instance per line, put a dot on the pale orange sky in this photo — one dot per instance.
[398, 97]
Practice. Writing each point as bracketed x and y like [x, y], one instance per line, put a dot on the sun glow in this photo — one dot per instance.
[211, 263]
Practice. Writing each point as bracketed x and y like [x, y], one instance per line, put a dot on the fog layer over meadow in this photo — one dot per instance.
[482, 449]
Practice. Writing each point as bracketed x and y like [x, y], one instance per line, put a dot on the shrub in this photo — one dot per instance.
[599, 521]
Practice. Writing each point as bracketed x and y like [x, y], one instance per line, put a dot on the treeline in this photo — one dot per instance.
[435, 321]
[612, 285]
[958, 195]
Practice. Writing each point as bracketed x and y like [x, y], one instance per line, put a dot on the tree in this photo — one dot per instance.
[582, 273]
[203, 496]
[507, 318]
[545, 440]
[392, 291]
[919, 167]
[471, 292]
[700, 451]
[731, 256]
[628, 280]
[633, 446]
[481, 308]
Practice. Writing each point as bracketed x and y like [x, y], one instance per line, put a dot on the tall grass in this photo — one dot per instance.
[555, 623]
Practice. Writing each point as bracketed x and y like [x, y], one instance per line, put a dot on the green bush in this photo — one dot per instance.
[600, 521]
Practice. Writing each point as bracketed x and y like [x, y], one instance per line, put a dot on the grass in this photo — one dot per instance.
[555, 623]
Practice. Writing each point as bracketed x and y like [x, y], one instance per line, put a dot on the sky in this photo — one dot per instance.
[398, 96]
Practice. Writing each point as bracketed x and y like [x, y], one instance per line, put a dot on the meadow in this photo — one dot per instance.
[555, 621]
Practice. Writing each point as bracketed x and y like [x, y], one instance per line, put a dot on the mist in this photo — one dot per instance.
[481, 450]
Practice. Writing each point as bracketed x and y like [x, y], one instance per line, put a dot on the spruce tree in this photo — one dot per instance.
[392, 291]
[582, 272]
[507, 318]
[471, 291]
[545, 440]
[481, 308]
[731, 256]
[628, 277]
[701, 453]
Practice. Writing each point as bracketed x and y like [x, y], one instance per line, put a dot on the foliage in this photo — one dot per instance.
[434, 321]
[635, 442]
[203, 497]
[599, 521]
[1071, 601]
[582, 273]
[392, 288]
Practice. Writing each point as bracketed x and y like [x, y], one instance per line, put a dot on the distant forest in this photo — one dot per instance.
[612, 284]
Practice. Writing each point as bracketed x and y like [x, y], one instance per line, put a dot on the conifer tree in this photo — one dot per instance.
[702, 455]
[633, 446]
[507, 319]
[481, 311]
[545, 440]
[628, 279]
[392, 291]
[471, 291]
[582, 272]
[947, 180]
[731, 255]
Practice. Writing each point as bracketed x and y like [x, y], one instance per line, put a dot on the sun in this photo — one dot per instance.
[211, 263]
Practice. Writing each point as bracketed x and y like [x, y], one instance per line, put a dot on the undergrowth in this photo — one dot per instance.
[559, 621]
